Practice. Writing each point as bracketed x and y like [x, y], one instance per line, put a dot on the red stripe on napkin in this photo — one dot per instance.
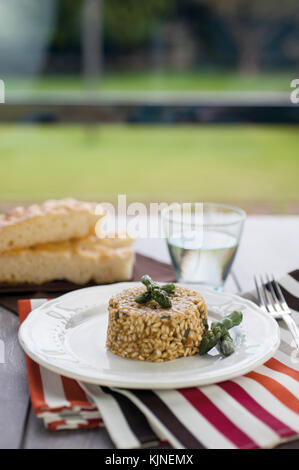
[242, 397]
[215, 416]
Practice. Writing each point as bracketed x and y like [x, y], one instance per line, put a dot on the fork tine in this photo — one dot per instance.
[267, 297]
[274, 296]
[259, 295]
[279, 294]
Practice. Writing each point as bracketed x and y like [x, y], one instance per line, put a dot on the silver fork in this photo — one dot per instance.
[273, 302]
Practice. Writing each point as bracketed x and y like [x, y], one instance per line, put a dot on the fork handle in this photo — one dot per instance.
[292, 327]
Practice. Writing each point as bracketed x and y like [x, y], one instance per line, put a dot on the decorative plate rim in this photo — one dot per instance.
[228, 373]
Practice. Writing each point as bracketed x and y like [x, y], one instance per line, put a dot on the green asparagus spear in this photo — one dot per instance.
[226, 344]
[210, 340]
[148, 282]
[169, 288]
[231, 320]
[143, 297]
[155, 292]
[161, 297]
[219, 333]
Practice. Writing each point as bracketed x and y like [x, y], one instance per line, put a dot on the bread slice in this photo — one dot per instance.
[78, 261]
[53, 221]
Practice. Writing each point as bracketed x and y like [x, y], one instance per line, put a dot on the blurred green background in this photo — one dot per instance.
[254, 166]
[164, 80]
[239, 50]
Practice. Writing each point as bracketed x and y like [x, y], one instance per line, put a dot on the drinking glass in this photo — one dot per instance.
[202, 249]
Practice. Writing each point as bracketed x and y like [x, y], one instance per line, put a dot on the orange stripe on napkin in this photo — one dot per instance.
[35, 386]
[74, 393]
[92, 425]
[274, 364]
[33, 370]
[56, 424]
[278, 390]
[24, 308]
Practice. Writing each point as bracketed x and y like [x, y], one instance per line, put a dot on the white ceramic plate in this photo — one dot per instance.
[67, 335]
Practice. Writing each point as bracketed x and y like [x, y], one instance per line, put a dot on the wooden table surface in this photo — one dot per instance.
[269, 243]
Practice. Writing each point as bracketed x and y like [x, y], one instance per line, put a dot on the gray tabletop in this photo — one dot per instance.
[270, 243]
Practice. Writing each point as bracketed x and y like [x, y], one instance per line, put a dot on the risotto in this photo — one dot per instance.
[150, 332]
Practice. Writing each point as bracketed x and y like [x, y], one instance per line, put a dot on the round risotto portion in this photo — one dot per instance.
[149, 332]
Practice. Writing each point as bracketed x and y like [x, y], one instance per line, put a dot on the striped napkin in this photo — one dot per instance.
[257, 410]
[60, 401]
[64, 404]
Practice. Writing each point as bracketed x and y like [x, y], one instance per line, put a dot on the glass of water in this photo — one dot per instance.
[203, 242]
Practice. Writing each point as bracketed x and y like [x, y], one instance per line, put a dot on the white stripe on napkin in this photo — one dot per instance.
[246, 421]
[290, 361]
[53, 389]
[37, 303]
[268, 401]
[115, 422]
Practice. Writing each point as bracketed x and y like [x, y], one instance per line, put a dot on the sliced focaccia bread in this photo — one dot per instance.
[78, 261]
[53, 221]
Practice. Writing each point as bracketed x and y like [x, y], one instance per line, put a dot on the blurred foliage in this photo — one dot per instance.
[126, 23]
[67, 33]
[226, 32]
[254, 24]
[255, 10]
[132, 21]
